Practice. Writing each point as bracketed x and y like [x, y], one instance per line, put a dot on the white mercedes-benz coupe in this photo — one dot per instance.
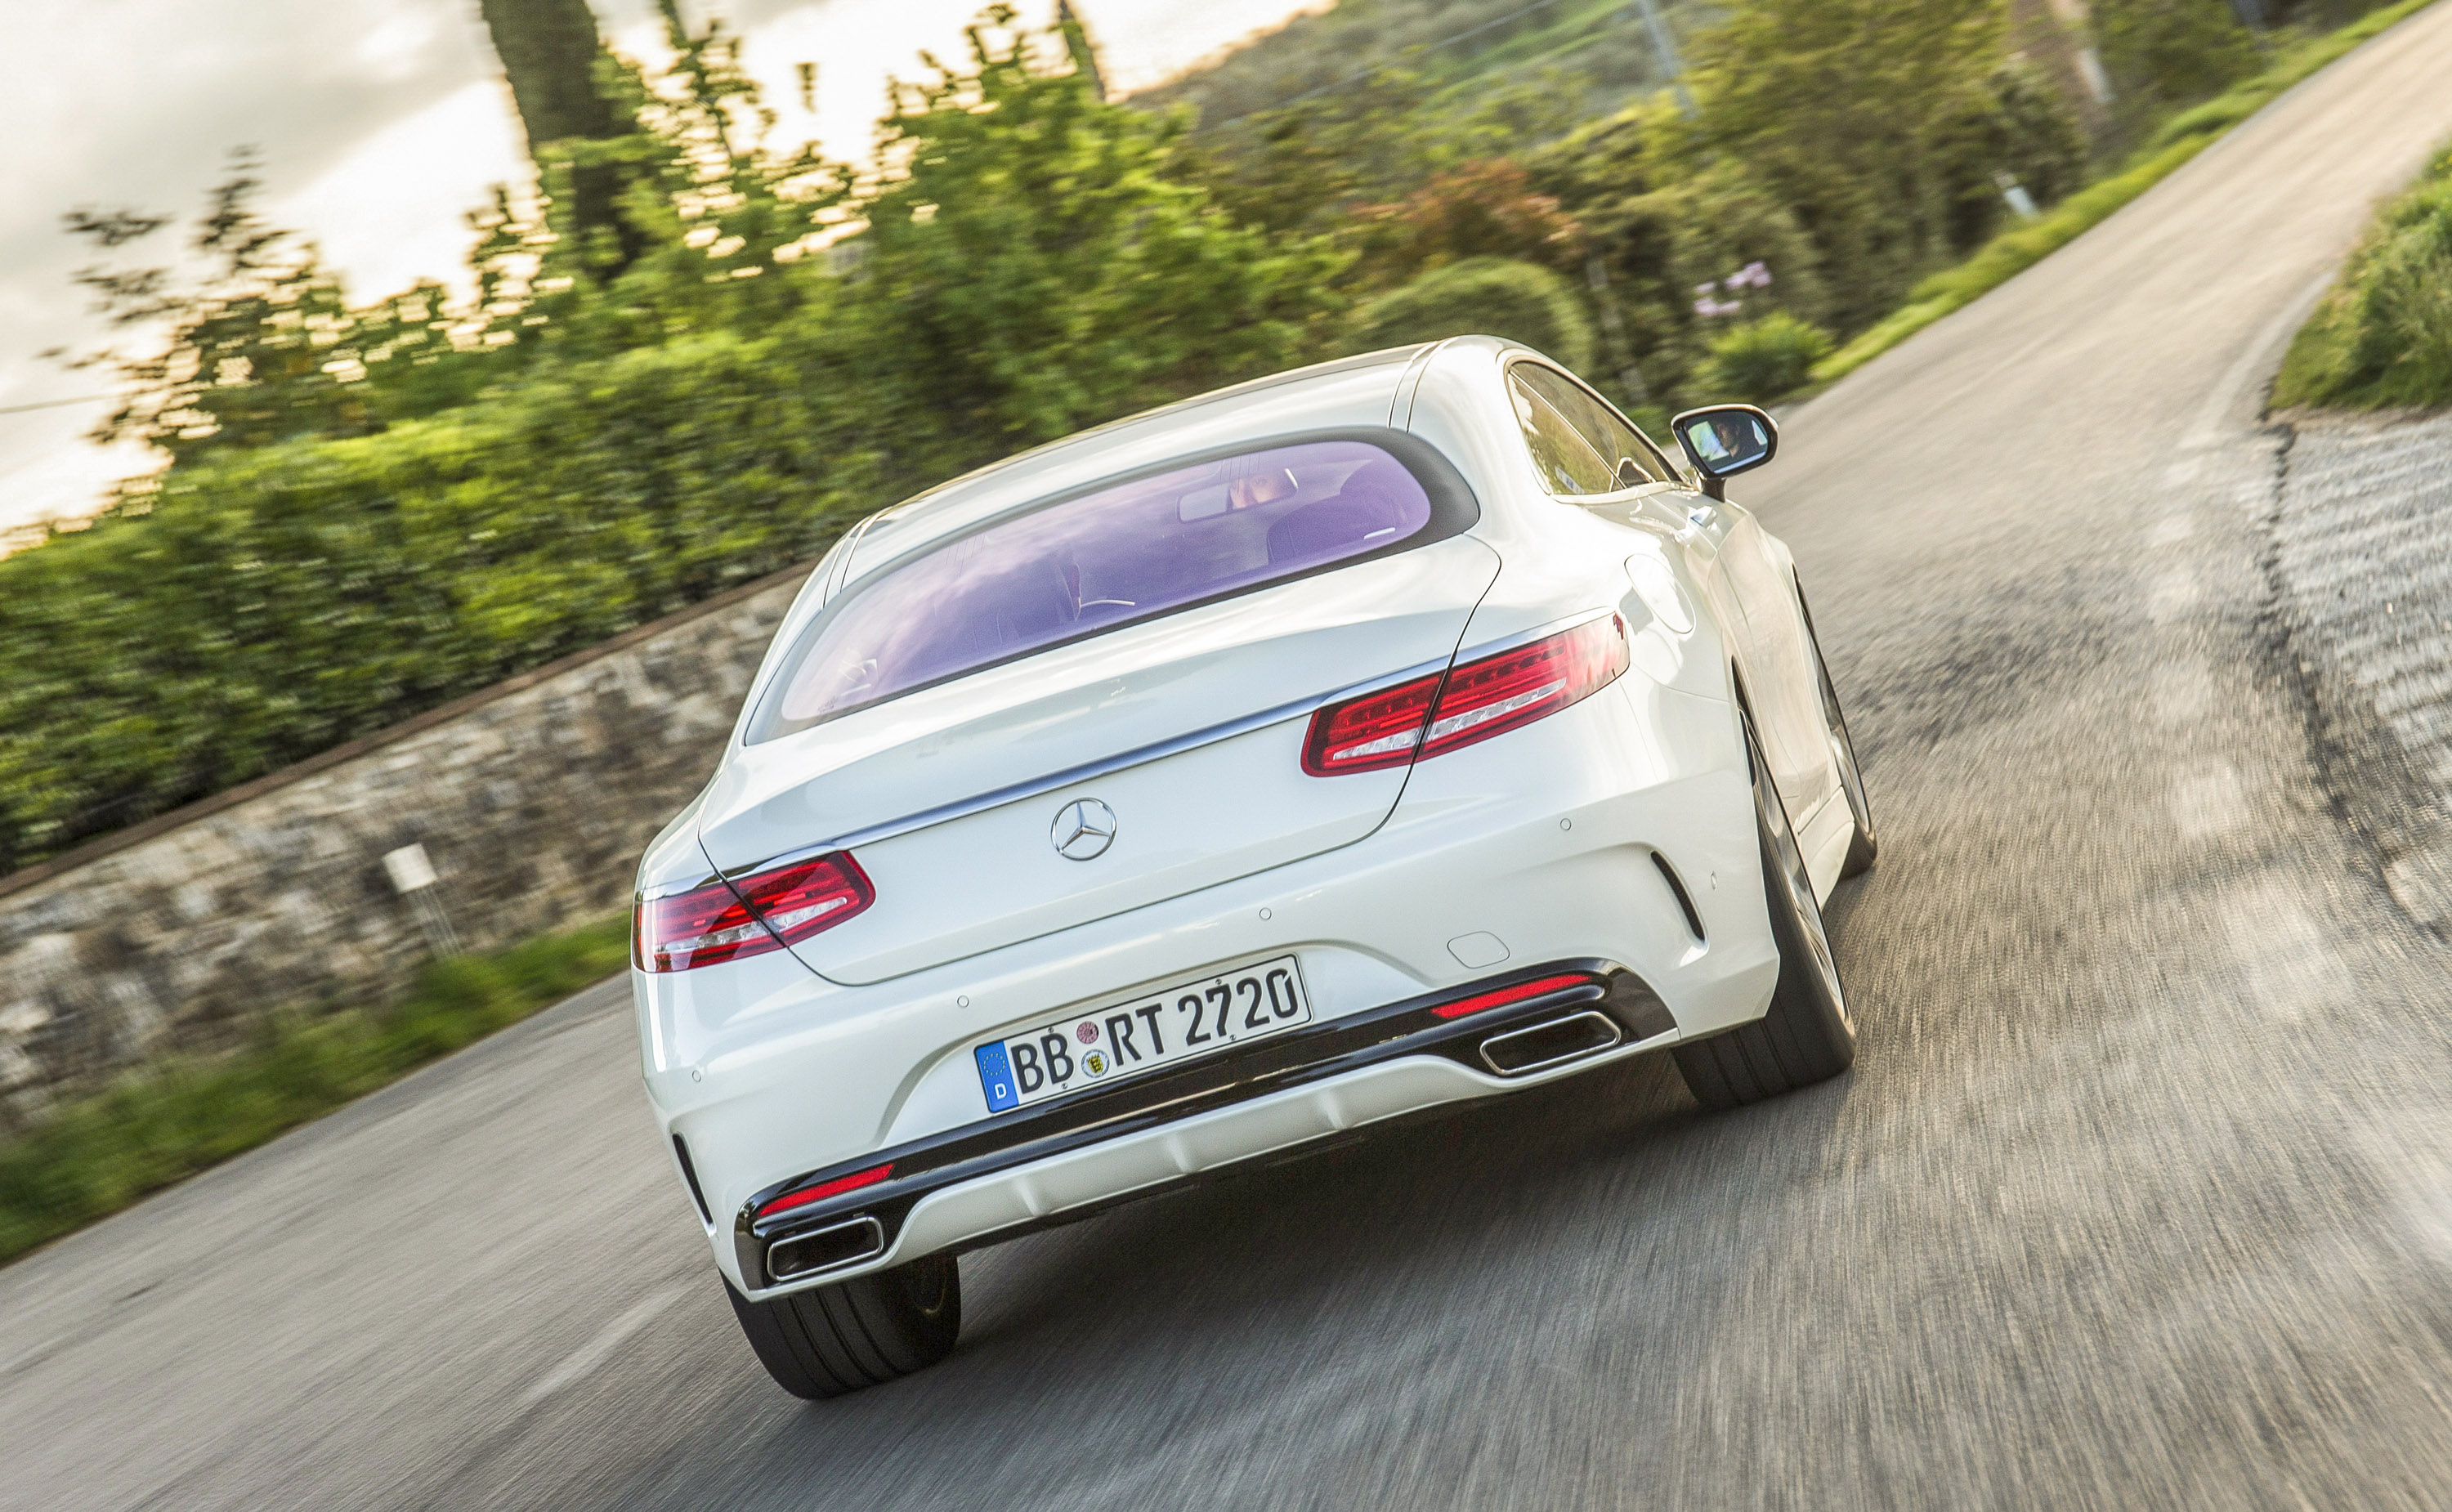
[1343, 745]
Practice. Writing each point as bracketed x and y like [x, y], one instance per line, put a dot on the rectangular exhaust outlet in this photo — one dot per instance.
[860, 1238]
[1520, 1051]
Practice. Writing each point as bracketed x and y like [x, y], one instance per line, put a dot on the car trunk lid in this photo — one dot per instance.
[1188, 729]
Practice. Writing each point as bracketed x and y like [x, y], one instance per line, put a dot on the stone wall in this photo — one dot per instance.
[2362, 573]
[533, 800]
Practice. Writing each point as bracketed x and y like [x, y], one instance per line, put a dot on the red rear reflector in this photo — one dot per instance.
[750, 915]
[1490, 696]
[1501, 996]
[825, 1189]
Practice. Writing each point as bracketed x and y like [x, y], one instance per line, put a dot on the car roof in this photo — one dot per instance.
[1351, 391]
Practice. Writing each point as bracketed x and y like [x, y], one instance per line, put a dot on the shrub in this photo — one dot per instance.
[278, 601]
[2162, 54]
[2384, 336]
[1482, 296]
[1762, 360]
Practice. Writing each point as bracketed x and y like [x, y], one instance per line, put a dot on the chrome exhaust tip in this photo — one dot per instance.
[1522, 1051]
[836, 1245]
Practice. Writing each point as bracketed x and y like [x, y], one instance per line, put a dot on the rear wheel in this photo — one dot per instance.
[863, 1332]
[1807, 1036]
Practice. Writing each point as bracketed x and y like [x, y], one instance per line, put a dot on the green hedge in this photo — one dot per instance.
[274, 603]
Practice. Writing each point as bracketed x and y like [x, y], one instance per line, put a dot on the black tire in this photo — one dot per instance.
[1807, 1036]
[829, 1341]
[1864, 846]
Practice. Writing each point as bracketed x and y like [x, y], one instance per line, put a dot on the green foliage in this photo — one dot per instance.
[250, 338]
[2178, 140]
[1359, 106]
[2166, 54]
[1490, 208]
[589, 447]
[2382, 337]
[1032, 264]
[1479, 68]
[273, 603]
[1482, 296]
[1762, 360]
[1849, 111]
[1666, 233]
[94, 1157]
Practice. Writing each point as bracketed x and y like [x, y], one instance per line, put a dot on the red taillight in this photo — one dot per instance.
[1501, 996]
[1375, 730]
[1481, 698]
[825, 1189]
[750, 915]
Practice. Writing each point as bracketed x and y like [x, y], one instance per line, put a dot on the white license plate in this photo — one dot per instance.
[1180, 1022]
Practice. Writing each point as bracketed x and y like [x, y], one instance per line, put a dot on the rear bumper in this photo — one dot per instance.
[1078, 1154]
[1556, 844]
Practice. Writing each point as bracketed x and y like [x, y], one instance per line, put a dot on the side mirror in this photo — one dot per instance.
[1725, 439]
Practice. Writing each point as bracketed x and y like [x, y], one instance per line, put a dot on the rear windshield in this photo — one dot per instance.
[1127, 552]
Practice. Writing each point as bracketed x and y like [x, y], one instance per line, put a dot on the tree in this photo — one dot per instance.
[1488, 209]
[550, 52]
[1846, 109]
[249, 353]
[2168, 54]
[1031, 262]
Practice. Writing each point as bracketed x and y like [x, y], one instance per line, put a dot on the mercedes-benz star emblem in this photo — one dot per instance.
[1083, 830]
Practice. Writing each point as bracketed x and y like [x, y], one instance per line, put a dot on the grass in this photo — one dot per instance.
[2382, 336]
[95, 1155]
[2178, 140]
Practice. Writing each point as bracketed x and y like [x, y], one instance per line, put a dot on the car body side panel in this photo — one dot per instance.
[1779, 668]
[1722, 555]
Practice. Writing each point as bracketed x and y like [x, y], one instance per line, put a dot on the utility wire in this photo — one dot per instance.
[53, 404]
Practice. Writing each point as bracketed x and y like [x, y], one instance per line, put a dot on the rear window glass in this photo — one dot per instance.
[1127, 552]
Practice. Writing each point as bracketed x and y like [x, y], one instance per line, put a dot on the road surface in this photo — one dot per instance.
[2140, 1194]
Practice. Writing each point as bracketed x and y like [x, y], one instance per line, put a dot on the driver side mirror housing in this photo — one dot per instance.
[1725, 439]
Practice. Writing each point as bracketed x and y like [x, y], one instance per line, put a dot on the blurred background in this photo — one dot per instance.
[415, 416]
[516, 291]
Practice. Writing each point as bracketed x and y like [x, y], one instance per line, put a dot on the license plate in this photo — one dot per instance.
[1180, 1022]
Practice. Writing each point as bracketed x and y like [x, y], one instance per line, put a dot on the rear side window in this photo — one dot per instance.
[1557, 414]
[1125, 552]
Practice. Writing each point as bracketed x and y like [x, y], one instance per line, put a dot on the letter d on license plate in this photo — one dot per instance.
[1180, 1022]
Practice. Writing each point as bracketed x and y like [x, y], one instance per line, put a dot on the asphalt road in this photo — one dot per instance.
[2140, 1194]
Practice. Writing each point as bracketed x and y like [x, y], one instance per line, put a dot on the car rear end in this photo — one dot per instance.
[1313, 816]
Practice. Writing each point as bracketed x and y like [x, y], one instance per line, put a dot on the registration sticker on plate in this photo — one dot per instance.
[1180, 1022]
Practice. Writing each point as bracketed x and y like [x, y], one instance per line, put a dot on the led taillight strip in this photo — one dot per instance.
[1467, 704]
[765, 911]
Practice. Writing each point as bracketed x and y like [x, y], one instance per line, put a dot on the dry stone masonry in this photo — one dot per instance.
[2363, 566]
[531, 802]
